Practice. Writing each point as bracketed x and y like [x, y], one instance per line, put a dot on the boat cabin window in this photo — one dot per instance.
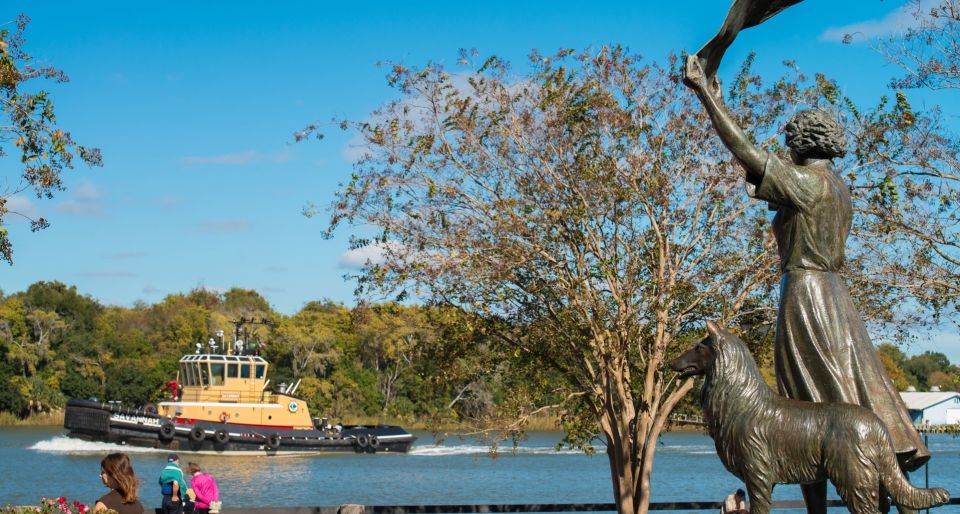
[216, 373]
[188, 371]
[244, 370]
[261, 370]
[231, 370]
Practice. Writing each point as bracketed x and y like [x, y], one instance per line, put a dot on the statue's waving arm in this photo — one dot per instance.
[752, 158]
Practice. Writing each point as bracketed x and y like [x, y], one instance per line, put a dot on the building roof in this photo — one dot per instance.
[921, 401]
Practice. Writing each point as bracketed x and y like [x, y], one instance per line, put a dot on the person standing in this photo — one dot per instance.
[735, 503]
[117, 474]
[204, 488]
[172, 486]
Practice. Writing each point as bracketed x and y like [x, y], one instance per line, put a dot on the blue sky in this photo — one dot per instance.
[194, 105]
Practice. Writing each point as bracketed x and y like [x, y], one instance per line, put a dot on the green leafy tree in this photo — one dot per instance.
[390, 337]
[29, 132]
[132, 383]
[459, 372]
[310, 337]
[922, 366]
[893, 361]
[11, 398]
[946, 381]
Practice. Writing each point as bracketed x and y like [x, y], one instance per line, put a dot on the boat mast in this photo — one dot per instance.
[238, 328]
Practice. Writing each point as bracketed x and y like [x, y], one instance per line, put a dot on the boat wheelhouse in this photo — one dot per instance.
[234, 389]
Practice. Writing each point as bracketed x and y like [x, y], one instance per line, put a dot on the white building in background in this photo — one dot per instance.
[932, 408]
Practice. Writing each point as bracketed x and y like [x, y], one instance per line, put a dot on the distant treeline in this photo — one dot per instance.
[401, 362]
[387, 360]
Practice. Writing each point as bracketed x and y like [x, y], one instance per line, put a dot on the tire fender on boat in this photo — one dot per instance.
[362, 441]
[150, 408]
[273, 441]
[374, 442]
[167, 431]
[197, 434]
[221, 436]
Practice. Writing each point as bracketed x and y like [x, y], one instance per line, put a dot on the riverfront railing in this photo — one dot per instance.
[507, 507]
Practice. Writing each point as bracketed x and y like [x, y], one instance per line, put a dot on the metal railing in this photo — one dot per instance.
[505, 507]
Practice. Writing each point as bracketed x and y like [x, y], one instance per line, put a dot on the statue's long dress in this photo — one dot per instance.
[822, 350]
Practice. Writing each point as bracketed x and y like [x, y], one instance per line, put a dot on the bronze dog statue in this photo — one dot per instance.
[766, 439]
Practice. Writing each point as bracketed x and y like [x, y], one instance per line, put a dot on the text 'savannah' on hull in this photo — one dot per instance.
[221, 403]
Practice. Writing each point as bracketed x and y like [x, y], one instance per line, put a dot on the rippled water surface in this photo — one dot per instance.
[44, 462]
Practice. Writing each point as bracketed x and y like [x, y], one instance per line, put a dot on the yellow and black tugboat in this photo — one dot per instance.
[220, 402]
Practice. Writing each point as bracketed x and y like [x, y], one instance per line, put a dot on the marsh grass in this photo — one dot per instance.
[54, 418]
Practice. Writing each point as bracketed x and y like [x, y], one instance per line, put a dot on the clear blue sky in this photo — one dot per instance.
[194, 105]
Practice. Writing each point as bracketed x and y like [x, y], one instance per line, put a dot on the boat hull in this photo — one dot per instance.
[107, 422]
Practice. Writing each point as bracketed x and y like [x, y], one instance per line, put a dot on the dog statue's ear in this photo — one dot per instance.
[713, 330]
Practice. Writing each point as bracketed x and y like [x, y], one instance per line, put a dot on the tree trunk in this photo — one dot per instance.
[631, 462]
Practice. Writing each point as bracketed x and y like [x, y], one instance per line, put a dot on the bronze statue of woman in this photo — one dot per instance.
[822, 350]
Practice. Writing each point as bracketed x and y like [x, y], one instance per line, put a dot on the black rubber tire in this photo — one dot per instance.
[150, 408]
[273, 441]
[221, 436]
[362, 441]
[198, 434]
[374, 442]
[167, 431]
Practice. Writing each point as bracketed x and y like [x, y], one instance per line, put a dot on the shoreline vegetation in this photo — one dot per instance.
[51, 418]
[423, 367]
[537, 424]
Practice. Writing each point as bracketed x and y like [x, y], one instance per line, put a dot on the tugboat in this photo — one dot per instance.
[220, 403]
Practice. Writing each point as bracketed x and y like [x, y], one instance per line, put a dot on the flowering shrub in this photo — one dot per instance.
[52, 506]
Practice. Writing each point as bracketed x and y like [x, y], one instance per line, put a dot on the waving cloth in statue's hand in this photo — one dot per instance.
[743, 14]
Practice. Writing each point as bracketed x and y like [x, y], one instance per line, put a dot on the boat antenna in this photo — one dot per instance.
[239, 323]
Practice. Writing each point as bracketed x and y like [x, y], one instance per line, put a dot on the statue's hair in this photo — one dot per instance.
[813, 132]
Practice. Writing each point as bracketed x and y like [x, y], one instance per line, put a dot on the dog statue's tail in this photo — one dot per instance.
[905, 494]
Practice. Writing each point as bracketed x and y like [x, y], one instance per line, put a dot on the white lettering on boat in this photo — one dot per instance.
[140, 420]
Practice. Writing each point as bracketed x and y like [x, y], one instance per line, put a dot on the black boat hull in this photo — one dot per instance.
[112, 423]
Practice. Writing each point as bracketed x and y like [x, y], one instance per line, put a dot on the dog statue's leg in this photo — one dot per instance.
[859, 489]
[815, 496]
[760, 494]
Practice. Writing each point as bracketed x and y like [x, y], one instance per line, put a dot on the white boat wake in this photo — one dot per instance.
[428, 450]
[64, 444]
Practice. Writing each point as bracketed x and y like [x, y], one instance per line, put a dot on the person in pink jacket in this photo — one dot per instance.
[204, 487]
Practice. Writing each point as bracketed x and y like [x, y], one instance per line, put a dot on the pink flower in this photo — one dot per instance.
[61, 500]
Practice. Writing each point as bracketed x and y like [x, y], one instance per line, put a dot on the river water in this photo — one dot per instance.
[42, 461]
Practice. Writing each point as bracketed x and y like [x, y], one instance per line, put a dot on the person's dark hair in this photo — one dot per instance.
[117, 466]
[814, 133]
[741, 493]
[193, 467]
